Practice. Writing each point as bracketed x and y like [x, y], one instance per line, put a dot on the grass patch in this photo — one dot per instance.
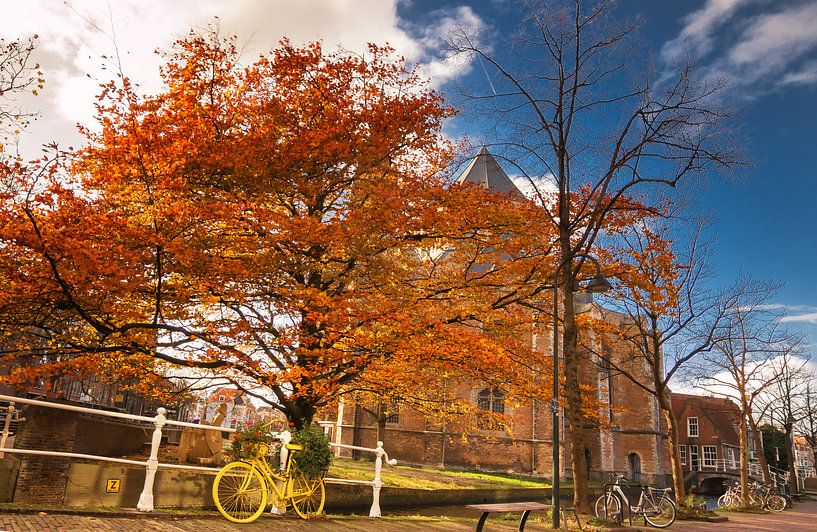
[427, 478]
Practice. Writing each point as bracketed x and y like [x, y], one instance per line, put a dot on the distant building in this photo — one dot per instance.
[708, 432]
[240, 410]
[803, 458]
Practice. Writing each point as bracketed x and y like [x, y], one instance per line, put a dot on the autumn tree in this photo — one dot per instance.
[667, 315]
[285, 226]
[571, 113]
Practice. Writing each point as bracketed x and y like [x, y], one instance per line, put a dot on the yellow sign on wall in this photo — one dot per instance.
[113, 486]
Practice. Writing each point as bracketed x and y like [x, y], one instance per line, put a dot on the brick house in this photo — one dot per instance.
[803, 458]
[631, 442]
[708, 432]
[240, 409]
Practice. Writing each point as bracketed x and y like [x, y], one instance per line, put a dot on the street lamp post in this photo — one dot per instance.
[597, 284]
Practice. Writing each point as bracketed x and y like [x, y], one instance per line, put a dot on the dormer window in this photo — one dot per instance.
[692, 427]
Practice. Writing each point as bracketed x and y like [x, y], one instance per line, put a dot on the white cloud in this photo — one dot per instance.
[805, 76]
[791, 313]
[773, 41]
[438, 64]
[755, 52]
[74, 36]
[809, 317]
[696, 38]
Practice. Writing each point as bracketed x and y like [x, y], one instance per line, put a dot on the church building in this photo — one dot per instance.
[630, 439]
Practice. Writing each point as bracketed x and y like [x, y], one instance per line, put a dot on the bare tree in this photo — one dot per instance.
[17, 76]
[787, 401]
[586, 133]
[742, 365]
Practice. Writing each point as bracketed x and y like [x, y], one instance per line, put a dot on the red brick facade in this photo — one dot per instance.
[632, 439]
[708, 432]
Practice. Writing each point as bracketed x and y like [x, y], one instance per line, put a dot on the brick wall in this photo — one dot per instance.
[42, 479]
[527, 445]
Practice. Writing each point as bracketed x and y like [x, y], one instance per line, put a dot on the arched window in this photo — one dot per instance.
[492, 400]
[634, 464]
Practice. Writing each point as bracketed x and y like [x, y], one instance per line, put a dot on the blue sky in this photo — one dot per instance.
[766, 48]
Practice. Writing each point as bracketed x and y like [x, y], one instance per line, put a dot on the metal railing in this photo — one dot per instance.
[152, 464]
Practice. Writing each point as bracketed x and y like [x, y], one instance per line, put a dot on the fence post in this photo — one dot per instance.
[6, 427]
[377, 484]
[146, 498]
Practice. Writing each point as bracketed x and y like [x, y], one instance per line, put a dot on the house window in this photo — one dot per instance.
[221, 398]
[731, 455]
[710, 455]
[752, 451]
[692, 427]
[683, 450]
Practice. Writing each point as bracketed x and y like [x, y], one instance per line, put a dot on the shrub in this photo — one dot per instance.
[316, 457]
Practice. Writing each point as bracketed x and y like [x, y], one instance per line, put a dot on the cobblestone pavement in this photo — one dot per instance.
[802, 518]
[66, 523]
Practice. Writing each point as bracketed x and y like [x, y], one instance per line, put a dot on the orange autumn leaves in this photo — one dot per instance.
[287, 225]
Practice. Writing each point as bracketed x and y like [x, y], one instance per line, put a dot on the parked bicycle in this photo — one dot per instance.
[241, 489]
[759, 495]
[655, 505]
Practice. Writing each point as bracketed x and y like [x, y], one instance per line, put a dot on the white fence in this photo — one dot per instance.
[152, 464]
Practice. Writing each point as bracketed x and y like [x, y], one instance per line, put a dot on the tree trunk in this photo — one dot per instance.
[300, 412]
[665, 403]
[791, 457]
[578, 460]
[381, 422]
[744, 459]
[764, 464]
[814, 454]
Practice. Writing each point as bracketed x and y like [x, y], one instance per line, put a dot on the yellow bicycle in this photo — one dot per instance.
[241, 489]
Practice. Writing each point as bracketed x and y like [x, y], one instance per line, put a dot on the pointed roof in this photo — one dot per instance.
[485, 171]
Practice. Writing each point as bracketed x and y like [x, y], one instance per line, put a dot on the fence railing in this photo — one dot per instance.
[152, 464]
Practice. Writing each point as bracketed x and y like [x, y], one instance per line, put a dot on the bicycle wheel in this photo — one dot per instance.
[240, 492]
[776, 503]
[608, 507]
[662, 514]
[307, 495]
[789, 500]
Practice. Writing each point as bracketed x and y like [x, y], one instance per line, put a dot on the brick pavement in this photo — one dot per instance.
[802, 518]
[71, 523]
